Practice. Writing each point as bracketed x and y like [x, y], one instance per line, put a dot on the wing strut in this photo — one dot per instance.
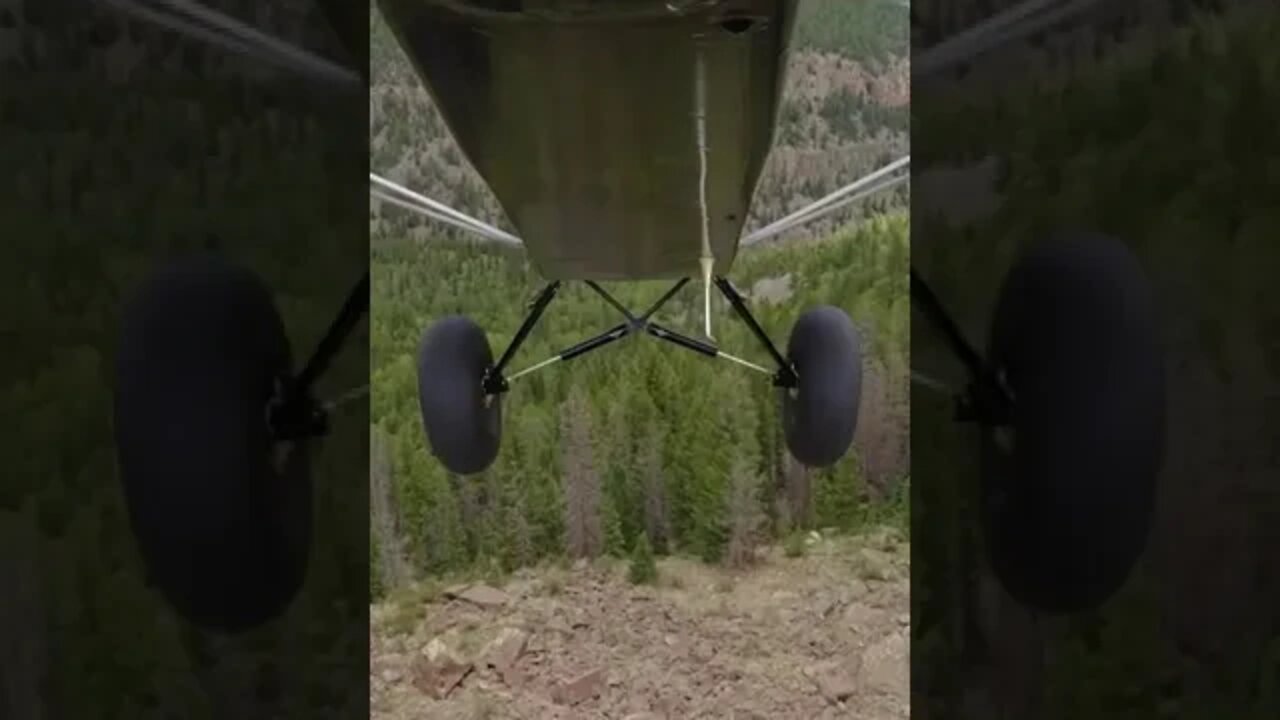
[409, 200]
[198, 22]
[1010, 25]
[881, 179]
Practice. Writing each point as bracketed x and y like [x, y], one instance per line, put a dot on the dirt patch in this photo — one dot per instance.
[819, 636]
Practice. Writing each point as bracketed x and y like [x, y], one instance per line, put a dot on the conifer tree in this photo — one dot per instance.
[615, 543]
[643, 568]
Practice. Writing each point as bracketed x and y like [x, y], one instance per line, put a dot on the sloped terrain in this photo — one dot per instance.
[824, 635]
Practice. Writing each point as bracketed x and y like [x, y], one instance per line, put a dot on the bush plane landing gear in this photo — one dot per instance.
[213, 434]
[460, 387]
[1070, 403]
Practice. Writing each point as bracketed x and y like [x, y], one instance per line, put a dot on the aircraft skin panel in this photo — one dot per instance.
[582, 117]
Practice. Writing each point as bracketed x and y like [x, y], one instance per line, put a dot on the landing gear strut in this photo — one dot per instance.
[1070, 405]
[461, 388]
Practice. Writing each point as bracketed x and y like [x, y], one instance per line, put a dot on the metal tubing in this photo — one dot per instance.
[540, 304]
[611, 300]
[683, 341]
[616, 332]
[355, 306]
[927, 302]
[986, 400]
[644, 317]
[786, 373]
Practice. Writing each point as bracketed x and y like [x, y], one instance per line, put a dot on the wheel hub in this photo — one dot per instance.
[293, 415]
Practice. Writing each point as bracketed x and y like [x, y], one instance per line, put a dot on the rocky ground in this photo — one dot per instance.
[822, 635]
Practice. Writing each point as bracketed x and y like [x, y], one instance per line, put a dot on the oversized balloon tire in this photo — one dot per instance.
[821, 413]
[1069, 491]
[463, 425]
[222, 524]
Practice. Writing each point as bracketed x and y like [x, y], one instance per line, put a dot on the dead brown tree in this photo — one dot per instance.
[584, 537]
[393, 563]
[881, 436]
[745, 515]
[799, 491]
[657, 524]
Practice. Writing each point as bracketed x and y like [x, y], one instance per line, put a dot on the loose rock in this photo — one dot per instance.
[836, 681]
[886, 667]
[481, 595]
[438, 671]
[505, 649]
[583, 687]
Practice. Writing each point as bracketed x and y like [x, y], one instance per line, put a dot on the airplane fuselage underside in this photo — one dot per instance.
[623, 138]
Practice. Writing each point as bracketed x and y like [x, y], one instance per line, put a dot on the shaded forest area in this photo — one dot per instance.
[1179, 163]
[640, 439]
[1090, 31]
[109, 171]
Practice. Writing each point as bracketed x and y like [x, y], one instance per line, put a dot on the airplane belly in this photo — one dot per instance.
[623, 139]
